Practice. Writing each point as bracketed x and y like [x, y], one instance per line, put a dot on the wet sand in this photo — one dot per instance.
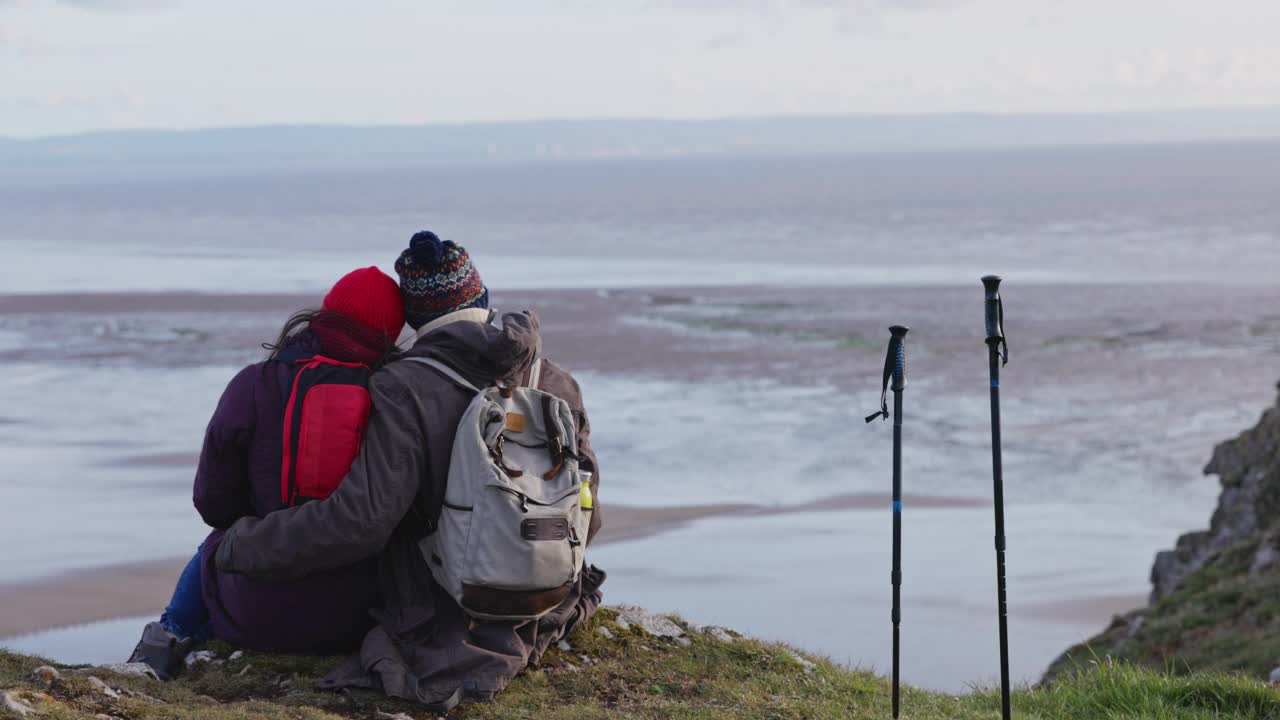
[1082, 609]
[624, 523]
[152, 302]
[141, 588]
[87, 596]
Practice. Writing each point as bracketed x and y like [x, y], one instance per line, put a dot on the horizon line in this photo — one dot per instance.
[654, 119]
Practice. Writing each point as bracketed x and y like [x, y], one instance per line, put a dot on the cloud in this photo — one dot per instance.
[847, 16]
[97, 5]
[780, 6]
[116, 5]
[727, 40]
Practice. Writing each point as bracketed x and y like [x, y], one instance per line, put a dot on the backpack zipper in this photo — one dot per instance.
[526, 501]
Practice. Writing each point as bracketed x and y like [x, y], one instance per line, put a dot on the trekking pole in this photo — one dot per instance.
[895, 368]
[998, 355]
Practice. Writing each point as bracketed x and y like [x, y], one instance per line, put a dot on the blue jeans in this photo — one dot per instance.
[186, 616]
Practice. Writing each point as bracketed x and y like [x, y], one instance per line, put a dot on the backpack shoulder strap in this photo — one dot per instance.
[446, 371]
[535, 373]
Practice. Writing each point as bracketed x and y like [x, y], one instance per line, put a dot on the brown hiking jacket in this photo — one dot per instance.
[424, 648]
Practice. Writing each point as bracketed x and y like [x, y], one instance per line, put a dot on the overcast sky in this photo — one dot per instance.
[74, 65]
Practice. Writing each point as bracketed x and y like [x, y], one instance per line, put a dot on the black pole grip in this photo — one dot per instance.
[898, 345]
[895, 370]
[995, 321]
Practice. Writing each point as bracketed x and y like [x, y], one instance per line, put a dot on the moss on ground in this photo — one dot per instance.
[635, 675]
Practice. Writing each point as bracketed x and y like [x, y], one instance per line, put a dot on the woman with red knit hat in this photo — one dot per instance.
[248, 449]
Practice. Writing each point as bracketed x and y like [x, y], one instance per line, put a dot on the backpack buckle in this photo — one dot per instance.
[496, 454]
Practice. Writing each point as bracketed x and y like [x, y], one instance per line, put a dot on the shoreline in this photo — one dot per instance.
[137, 588]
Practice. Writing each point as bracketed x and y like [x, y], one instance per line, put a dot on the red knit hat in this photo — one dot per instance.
[370, 297]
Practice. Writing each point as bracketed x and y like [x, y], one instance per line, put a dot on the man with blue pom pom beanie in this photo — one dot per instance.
[425, 648]
[437, 278]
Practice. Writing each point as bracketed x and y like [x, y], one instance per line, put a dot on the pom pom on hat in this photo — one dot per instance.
[429, 250]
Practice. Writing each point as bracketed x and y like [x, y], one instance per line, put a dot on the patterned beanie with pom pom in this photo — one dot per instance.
[437, 278]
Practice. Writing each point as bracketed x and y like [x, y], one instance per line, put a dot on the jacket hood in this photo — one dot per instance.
[483, 352]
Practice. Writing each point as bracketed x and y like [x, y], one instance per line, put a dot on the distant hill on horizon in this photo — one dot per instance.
[303, 147]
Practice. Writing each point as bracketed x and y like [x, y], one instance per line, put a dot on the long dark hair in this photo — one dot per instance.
[336, 332]
[296, 323]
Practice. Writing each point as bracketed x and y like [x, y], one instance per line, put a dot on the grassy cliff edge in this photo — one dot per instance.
[1215, 601]
[611, 669]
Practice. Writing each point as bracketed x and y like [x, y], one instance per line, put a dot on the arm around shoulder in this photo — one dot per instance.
[357, 519]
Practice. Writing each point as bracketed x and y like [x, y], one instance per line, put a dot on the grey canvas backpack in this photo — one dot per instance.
[511, 539]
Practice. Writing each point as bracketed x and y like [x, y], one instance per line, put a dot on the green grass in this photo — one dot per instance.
[638, 676]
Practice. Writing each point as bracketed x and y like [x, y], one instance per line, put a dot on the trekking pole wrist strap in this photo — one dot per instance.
[889, 362]
[1001, 344]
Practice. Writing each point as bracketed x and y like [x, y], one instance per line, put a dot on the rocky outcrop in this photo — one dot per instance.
[1215, 597]
[1248, 467]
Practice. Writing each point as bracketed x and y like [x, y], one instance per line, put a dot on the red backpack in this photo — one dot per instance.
[324, 423]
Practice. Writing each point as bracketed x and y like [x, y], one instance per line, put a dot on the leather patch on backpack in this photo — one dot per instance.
[544, 529]
[515, 422]
[506, 603]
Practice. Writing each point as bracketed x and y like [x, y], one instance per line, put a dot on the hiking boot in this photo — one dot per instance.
[161, 650]
[445, 704]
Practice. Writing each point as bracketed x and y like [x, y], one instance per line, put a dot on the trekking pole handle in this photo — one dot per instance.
[992, 285]
[895, 370]
[995, 316]
[898, 345]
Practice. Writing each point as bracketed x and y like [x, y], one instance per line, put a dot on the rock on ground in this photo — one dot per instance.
[143, 696]
[198, 657]
[10, 702]
[652, 623]
[1266, 558]
[135, 669]
[721, 634]
[103, 688]
[713, 631]
[46, 675]
[803, 661]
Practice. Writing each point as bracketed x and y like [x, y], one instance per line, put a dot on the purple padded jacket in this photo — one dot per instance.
[239, 476]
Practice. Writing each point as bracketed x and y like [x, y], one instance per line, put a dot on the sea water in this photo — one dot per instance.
[1142, 326]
